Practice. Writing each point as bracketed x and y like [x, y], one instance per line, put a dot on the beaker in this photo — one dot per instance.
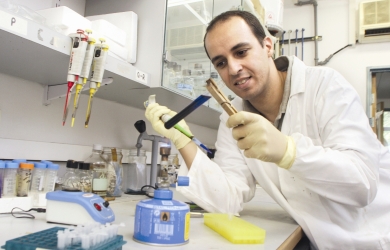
[137, 165]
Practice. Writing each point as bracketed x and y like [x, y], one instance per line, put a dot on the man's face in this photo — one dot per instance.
[239, 58]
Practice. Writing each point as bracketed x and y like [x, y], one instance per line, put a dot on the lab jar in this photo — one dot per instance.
[85, 177]
[113, 158]
[71, 180]
[137, 164]
[24, 179]
[2, 170]
[50, 177]
[99, 170]
[9, 181]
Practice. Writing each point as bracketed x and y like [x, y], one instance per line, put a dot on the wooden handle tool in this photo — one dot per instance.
[220, 97]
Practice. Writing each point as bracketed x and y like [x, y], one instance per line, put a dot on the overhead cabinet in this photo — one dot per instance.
[171, 62]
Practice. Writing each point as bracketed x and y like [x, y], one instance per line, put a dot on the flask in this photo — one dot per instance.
[137, 163]
[24, 178]
[37, 181]
[50, 177]
[71, 178]
[99, 170]
[10, 174]
[85, 177]
[2, 170]
[113, 157]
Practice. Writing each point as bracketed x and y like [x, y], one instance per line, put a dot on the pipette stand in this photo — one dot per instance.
[141, 127]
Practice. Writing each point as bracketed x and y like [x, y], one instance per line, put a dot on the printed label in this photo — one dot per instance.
[13, 23]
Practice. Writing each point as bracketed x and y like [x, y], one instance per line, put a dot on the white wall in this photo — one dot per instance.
[333, 26]
[28, 129]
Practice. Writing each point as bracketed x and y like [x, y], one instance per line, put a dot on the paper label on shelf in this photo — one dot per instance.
[13, 23]
[141, 76]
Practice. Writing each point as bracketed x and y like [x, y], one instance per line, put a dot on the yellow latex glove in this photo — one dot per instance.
[261, 140]
[154, 112]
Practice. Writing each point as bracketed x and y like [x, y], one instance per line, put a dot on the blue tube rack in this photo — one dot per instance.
[47, 239]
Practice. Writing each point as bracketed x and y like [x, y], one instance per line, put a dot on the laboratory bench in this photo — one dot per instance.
[282, 232]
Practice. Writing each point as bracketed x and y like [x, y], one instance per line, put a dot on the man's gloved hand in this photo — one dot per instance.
[154, 112]
[261, 140]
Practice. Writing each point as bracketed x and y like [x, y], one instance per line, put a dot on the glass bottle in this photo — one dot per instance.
[139, 164]
[85, 177]
[71, 178]
[50, 177]
[10, 179]
[113, 158]
[99, 170]
[24, 179]
[2, 172]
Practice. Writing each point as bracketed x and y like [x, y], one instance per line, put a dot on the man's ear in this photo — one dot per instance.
[269, 46]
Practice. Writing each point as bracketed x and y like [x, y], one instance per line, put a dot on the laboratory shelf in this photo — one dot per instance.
[37, 53]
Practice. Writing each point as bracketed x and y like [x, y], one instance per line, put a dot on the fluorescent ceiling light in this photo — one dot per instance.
[172, 3]
[196, 14]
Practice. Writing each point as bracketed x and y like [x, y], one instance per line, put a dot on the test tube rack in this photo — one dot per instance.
[47, 239]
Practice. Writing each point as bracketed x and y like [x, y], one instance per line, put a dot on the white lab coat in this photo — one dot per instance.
[338, 189]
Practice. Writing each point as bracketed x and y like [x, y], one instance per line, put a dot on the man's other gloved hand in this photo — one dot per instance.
[261, 140]
[154, 112]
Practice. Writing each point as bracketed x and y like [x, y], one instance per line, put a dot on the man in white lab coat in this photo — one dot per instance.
[301, 133]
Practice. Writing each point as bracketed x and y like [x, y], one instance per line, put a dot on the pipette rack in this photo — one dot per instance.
[47, 239]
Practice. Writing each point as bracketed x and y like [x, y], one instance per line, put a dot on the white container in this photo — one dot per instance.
[38, 177]
[9, 184]
[64, 19]
[127, 21]
[50, 177]
[37, 182]
[273, 14]
[109, 30]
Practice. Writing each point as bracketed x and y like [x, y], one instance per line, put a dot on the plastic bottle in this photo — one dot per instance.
[85, 177]
[10, 174]
[50, 177]
[24, 179]
[99, 170]
[38, 177]
[71, 178]
[113, 157]
[137, 163]
[2, 170]
[37, 181]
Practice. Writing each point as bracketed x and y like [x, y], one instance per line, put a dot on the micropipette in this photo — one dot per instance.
[77, 55]
[84, 73]
[99, 59]
[165, 118]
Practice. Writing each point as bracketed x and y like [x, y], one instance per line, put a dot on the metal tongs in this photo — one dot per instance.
[212, 87]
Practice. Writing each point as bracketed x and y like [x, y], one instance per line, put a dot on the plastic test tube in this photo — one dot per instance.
[9, 184]
[50, 177]
[24, 179]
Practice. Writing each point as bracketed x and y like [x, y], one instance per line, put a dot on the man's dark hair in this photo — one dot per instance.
[252, 21]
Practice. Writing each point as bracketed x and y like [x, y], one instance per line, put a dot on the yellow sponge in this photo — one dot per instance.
[234, 229]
